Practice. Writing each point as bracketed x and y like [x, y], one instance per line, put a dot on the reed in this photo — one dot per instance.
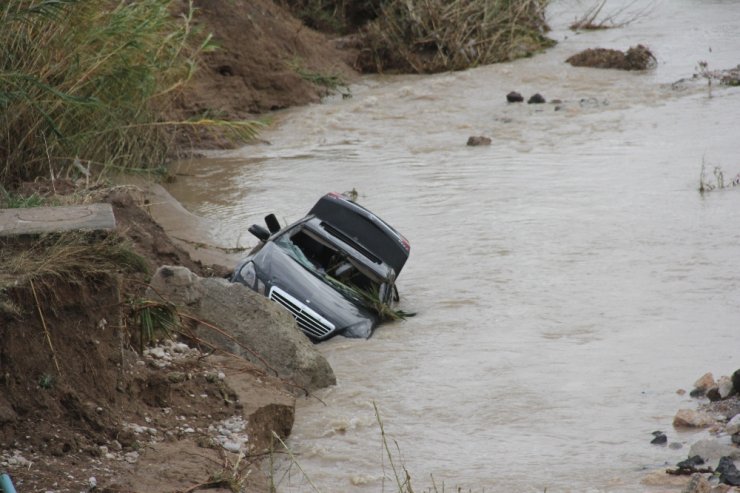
[707, 184]
[83, 81]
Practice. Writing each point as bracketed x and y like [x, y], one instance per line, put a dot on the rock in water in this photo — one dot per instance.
[736, 380]
[660, 439]
[514, 97]
[705, 383]
[479, 140]
[728, 473]
[697, 484]
[536, 99]
[692, 419]
[725, 387]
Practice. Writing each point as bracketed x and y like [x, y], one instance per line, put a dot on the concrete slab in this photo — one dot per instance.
[39, 220]
[195, 234]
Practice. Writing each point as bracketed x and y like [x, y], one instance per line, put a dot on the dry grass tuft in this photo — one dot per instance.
[590, 20]
[69, 258]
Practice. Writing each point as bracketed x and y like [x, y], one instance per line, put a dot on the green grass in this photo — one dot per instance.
[9, 200]
[157, 320]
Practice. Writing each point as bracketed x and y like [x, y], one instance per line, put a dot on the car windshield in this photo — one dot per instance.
[333, 266]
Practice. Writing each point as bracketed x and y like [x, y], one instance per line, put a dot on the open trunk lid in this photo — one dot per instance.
[352, 223]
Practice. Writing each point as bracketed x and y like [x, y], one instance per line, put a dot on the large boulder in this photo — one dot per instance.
[235, 319]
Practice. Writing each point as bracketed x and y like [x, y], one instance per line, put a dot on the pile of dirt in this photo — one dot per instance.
[264, 62]
[82, 406]
[636, 58]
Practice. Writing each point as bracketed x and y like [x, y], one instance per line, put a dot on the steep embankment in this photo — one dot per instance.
[80, 408]
[263, 62]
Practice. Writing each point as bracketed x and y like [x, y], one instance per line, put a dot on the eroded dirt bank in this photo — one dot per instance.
[266, 60]
[81, 407]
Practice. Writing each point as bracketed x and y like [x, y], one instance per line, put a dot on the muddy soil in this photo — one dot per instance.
[266, 60]
[81, 406]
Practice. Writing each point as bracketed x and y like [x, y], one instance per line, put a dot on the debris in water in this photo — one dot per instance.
[636, 58]
[479, 140]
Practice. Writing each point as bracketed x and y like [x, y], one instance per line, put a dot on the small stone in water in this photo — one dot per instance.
[479, 141]
[514, 97]
[660, 439]
[536, 99]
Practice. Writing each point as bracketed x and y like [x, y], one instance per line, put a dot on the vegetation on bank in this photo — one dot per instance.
[85, 85]
[426, 36]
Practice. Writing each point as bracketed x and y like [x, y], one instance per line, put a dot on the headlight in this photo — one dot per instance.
[361, 329]
[248, 274]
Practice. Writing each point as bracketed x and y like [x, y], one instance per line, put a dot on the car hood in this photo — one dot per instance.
[277, 269]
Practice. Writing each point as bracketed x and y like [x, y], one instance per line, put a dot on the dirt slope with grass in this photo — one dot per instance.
[82, 405]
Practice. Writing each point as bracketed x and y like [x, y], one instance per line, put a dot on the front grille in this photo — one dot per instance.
[313, 324]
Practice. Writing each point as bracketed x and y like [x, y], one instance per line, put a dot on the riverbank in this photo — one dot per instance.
[266, 60]
[83, 408]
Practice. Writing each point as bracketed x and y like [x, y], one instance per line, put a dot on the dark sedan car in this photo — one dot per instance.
[334, 270]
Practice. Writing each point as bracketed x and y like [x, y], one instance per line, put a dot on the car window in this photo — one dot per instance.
[295, 251]
[334, 266]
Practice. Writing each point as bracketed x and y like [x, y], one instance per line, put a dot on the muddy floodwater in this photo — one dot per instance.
[568, 279]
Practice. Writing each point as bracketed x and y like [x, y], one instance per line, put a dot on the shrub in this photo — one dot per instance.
[436, 35]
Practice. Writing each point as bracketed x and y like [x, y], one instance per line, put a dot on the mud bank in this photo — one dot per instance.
[82, 407]
[266, 60]
[87, 402]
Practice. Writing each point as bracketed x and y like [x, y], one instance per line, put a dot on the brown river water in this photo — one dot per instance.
[567, 279]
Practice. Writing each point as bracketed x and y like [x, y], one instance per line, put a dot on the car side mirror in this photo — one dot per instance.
[259, 232]
[272, 223]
